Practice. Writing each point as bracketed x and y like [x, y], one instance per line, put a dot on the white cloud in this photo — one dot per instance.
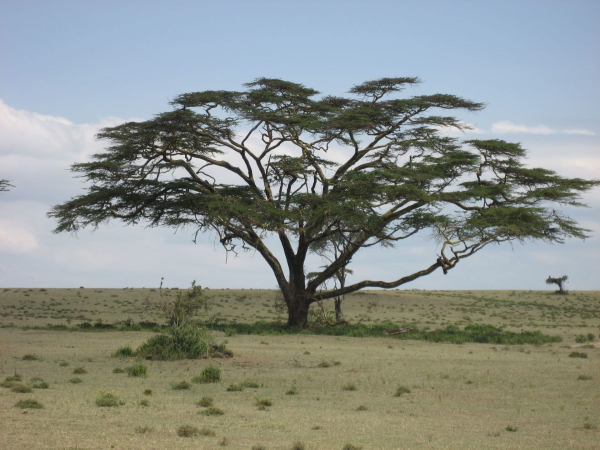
[507, 126]
[464, 127]
[14, 240]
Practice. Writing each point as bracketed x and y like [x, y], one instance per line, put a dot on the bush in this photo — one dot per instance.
[123, 352]
[30, 357]
[107, 400]
[235, 387]
[212, 411]
[250, 384]
[298, 446]
[144, 402]
[351, 447]
[205, 402]
[187, 304]
[401, 390]
[207, 432]
[118, 370]
[21, 388]
[79, 370]
[63, 364]
[148, 392]
[578, 355]
[187, 431]
[29, 404]
[182, 385]
[263, 402]
[75, 380]
[41, 385]
[349, 386]
[185, 342]
[209, 374]
[138, 370]
[584, 377]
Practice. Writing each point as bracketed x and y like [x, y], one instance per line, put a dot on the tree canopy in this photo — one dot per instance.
[370, 168]
[4, 185]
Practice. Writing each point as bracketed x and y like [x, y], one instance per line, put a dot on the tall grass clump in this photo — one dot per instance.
[29, 404]
[123, 352]
[138, 370]
[209, 374]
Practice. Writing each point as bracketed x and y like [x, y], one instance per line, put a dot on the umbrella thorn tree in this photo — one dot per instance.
[559, 282]
[370, 168]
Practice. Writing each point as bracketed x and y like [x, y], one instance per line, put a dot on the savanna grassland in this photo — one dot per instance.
[62, 389]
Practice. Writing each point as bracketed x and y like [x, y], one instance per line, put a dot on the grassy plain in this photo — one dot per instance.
[469, 396]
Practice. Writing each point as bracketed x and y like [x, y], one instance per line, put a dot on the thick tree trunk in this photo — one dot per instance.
[338, 309]
[298, 306]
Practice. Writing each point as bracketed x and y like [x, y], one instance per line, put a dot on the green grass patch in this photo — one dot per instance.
[137, 370]
[29, 404]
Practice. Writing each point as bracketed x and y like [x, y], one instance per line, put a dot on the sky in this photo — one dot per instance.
[70, 68]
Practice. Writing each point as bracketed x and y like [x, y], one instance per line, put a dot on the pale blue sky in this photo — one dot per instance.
[68, 67]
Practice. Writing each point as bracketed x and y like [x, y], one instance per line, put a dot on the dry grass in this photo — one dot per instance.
[462, 396]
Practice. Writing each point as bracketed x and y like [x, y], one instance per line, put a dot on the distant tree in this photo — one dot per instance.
[371, 168]
[4, 185]
[559, 282]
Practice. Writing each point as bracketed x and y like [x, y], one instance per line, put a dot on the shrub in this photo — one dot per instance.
[298, 446]
[138, 370]
[362, 408]
[142, 430]
[351, 447]
[186, 305]
[79, 370]
[118, 370]
[205, 402]
[30, 357]
[584, 377]
[578, 355]
[107, 399]
[292, 391]
[511, 428]
[401, 390]
[21, 388]
[187, 431]
[148, 392]
[185, 342]
[182, 385]
[350, 386]
[207, 432]
[250, 384]
[263, 402]
[123, 352]
[209, 374]
[29, 404]
[324, 364]
[41, 385]
[224, 441]
[75, 380]
[213, 411]
[580, 339]
[258, 447]
[63, 364]
[590, 337]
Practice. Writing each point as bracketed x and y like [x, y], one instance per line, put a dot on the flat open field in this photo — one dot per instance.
[469, 396]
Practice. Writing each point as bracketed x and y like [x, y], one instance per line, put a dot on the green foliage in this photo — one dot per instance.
[76, 380]
[349, 386]
[213, 411]
[236, 387]
[79, 371]
[207, 432]
[107, 399]
[137, 370]
[263, 402]
[123, 352]
[118, 370]
[182, 385]
[29, 404]
[209, 374]
[578, 355]
[186, 305]
[184, 342]
[30, 357]
[147, 391]
[41, 385]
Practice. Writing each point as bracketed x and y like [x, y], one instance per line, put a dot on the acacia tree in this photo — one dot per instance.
[4, 185]
[278, 159]
[559, 282]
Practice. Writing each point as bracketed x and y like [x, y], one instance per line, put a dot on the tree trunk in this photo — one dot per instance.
[338, 309]
[298, 307]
